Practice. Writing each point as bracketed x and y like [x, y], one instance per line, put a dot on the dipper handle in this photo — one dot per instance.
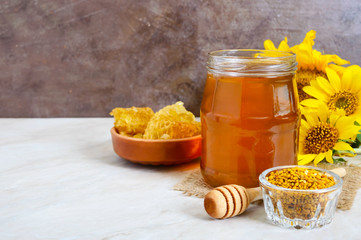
[339, 171]
[232, 200]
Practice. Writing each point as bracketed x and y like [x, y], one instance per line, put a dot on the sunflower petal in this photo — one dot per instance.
[323, 112]
[311, 119]
[349, 132]
[329, 156]
[357, 114]
[284, 46]
[325, 85]
[314, 83]
[310, 102]
[334, 79]
[339, 61]
[316, 93]
[305, 159]
[357, 76]
[344, 121]
[339, 69]
[346, 82]
[346, 127]
[302, 137]
[333, 119]
[319, 158]
[268, 45]
[305, 125]
[342, 146]
[310, 36]
[303, 130]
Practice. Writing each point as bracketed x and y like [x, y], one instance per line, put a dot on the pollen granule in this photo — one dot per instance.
[299, 204]
[300, 178]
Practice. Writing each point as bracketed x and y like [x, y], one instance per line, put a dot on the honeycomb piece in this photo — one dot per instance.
[182, 130]
[131, 121]
[171, 122]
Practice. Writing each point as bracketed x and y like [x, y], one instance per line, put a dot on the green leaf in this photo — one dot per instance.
[339, 160]
[357, 142]
[358, 138]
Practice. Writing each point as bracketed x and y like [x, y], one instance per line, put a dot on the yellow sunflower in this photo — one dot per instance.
[268, 45]
[341, 69]
[311, 63]
[338, 93]
[322, 133]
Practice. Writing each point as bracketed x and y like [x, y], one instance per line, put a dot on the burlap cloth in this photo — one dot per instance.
[194, 185]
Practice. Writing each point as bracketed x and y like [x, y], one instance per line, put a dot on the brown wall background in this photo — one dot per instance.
[75, 58]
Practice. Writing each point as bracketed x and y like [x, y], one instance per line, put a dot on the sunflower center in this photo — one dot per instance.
[303, 78]
[320, 138]
[343, 100]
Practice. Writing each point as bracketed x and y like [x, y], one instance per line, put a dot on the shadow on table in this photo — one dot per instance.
[255, 212]
[118, 161]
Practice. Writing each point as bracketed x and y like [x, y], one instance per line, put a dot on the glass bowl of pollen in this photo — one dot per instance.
[305, 208]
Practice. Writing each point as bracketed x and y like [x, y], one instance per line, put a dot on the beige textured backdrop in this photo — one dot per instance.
[75, 58]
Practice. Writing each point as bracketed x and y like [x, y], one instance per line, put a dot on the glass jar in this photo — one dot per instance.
[249, 115]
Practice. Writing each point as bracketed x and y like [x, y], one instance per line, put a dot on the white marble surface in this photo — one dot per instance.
[60, 179]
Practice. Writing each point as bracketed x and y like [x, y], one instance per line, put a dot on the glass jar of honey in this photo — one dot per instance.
[249, 115]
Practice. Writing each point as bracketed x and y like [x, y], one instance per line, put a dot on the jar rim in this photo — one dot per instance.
[252, 62]
[219, 53]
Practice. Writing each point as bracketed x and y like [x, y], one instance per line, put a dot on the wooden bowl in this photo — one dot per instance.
[156, 152]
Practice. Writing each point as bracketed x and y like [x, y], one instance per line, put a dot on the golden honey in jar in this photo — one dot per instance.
[249, 115]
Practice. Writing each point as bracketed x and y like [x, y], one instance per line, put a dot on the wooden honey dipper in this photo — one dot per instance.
[232, 200]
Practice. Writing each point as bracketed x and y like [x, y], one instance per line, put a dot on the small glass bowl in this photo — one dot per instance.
[293, 208]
